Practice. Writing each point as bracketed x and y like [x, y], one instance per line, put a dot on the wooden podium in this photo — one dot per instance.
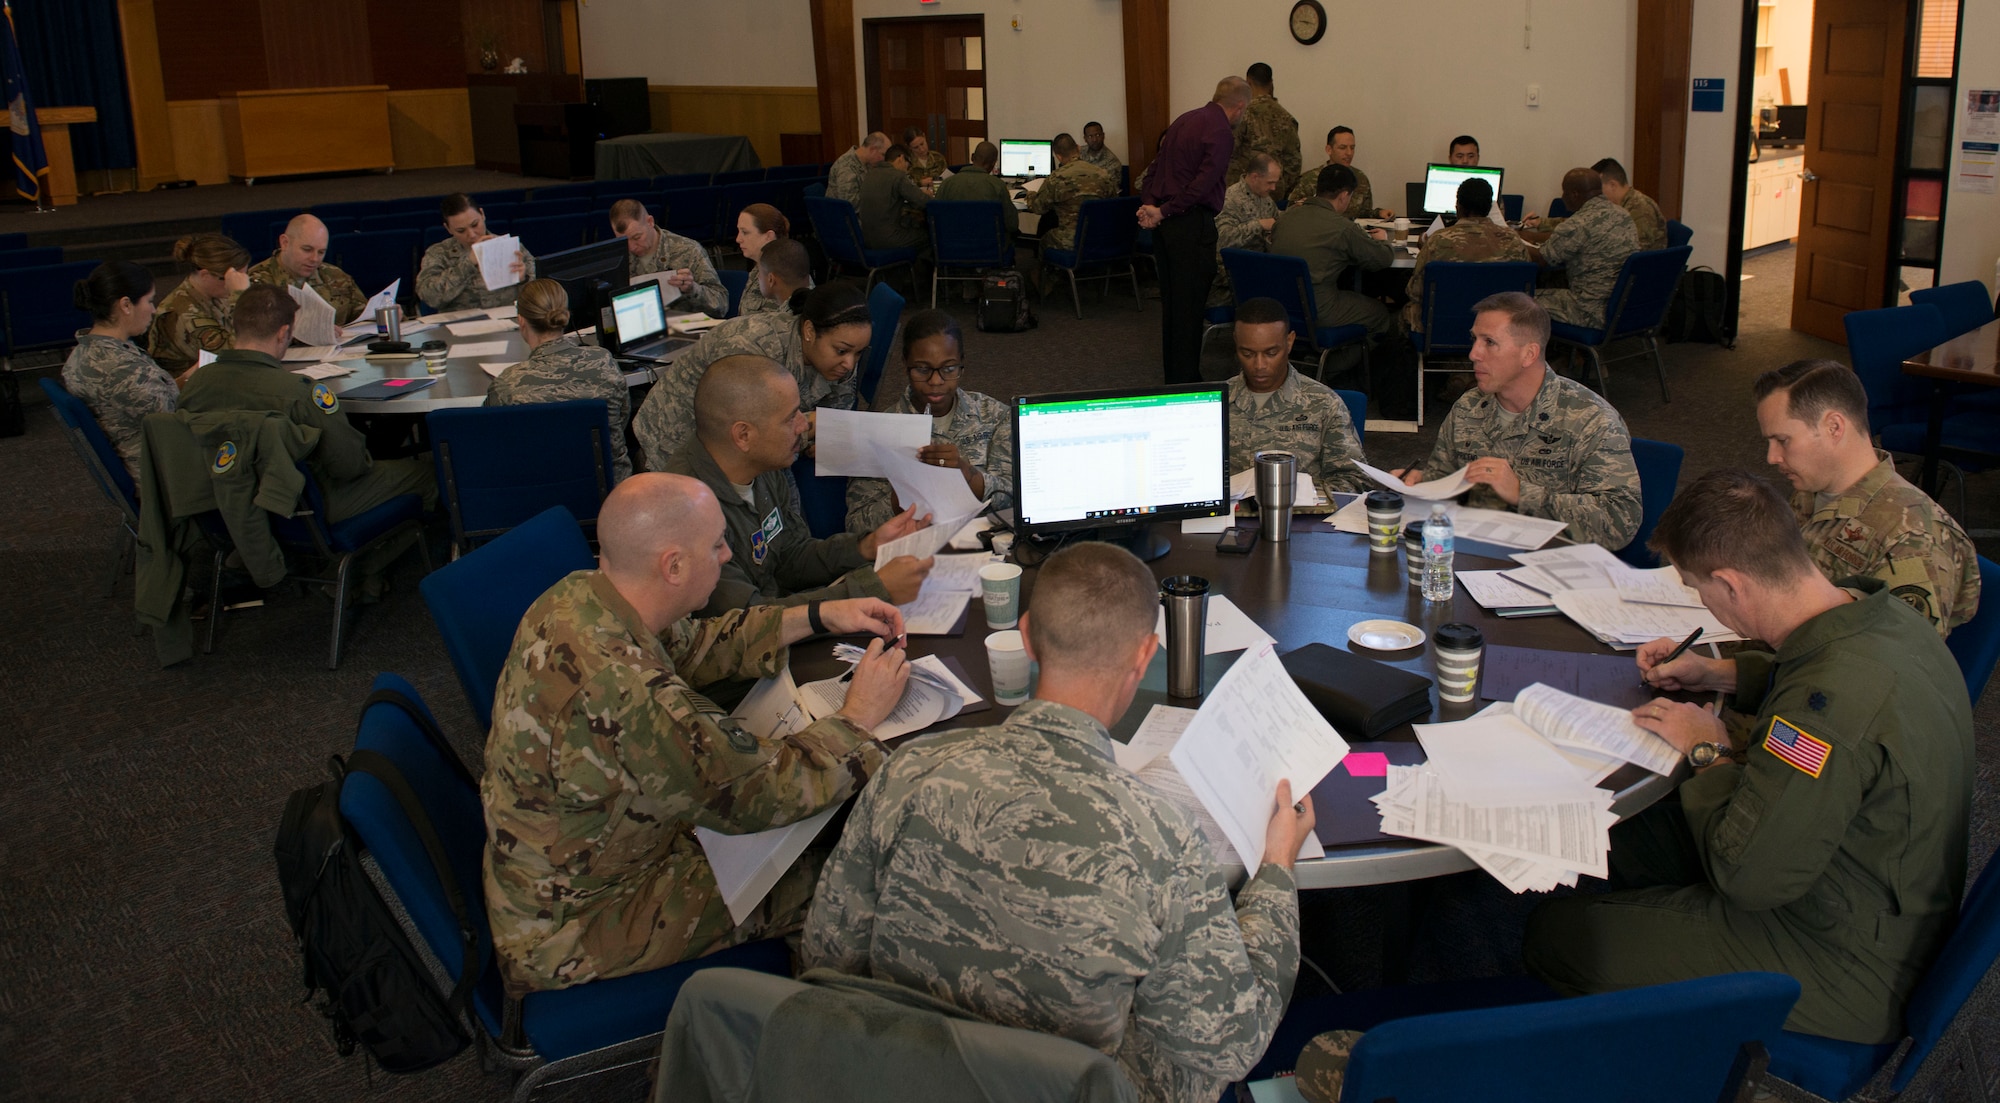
[287, 131]
[55, 123]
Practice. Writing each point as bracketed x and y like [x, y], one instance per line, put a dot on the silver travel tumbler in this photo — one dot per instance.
[390, 318]
[1277, 483]
[1186, 599]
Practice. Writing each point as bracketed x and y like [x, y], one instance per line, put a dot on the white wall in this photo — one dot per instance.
[1791, 48]
[740, 42]
[1711, 137]
[1972, 222]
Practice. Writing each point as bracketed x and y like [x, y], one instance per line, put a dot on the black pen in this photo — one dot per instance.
[1674, 654]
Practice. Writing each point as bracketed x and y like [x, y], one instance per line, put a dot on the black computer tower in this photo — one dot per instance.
[623, 105]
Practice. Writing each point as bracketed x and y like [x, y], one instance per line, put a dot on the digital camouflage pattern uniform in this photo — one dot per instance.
[1839, 861]
[1063, 192]
[1266, 127]
[450, 279]
[665, 422]
[602, 761]
[843, 180]
[1362, 205]
[561, 370]
[1569, 448]
[1591, 246]
[1023, 875]
[328, 282]
[1883, 527]
[1469, 239]
[1303, 417]
[1239, 226]
[674, 252]
[1647, 221]
[931, 168]
[187, 324]
[1322, 1067]
[1103, 158]
[983, 429]
[754, 301]
[121, 385]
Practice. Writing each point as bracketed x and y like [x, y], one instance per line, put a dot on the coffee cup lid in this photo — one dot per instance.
[1414, 531]
[1384, 498]
[1184, 585]
[1458, 637]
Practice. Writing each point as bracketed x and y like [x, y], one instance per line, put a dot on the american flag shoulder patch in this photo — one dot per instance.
[1795, 748]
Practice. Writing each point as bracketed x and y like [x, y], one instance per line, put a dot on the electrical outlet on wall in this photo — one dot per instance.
[1534, 95]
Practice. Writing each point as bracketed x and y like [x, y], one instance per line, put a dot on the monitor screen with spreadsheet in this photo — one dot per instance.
[1023, 157]
[1441, 184]
[640, 314]
[1105, 458]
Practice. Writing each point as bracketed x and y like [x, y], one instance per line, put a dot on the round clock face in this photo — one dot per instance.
[1308, 21]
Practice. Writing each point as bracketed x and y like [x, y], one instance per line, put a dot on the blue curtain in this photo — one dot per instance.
[72, 52]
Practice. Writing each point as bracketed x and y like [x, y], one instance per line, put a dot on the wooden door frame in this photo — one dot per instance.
[833, 67]
[872, 106]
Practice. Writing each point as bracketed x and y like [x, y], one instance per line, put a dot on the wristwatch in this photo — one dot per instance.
[1702, 755]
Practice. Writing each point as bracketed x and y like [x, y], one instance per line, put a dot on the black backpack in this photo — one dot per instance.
[1697, 309]
[375, 988]
[1003, 303]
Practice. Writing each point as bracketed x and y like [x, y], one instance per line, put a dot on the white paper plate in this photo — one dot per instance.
[1385, 635]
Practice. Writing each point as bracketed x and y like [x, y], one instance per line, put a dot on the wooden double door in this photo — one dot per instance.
[928, 73]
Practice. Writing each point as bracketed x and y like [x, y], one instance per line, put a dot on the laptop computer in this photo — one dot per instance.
[640, 314]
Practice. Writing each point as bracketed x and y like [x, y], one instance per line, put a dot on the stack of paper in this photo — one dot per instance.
[932, 695]
[323, 371]
[483, 325]
[1435, 490]
[1243, 485]
[497, 257]
[1147, 755]
[308, 354]
[1495, 591]
[1625, 625]
[951, 585]
[314, 322]
[939, 492]
[1490, 526]
[692, 323]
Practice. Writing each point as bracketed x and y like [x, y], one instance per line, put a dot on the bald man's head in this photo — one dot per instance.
[751, 389]
[302, 247]
[648, 514]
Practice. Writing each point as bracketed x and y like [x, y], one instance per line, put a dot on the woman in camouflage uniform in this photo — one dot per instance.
[558, 369]
[757, 226]
[113, 376]
[194, 317]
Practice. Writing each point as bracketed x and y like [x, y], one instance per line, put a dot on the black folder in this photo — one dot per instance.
[1361, 698]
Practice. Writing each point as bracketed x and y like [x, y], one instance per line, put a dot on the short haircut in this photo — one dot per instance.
[1584, 182]
[912, 133]
[1475, 198]
[788, 260]
[1092, 606]
[1064, 145]
[1231, 92]
[1812, 387]
[875, 140]
[1731, 518]
[1094, 123]
[457, 203]
[1525, 316]
[1334, 179]
[1463, 140]
[1259, 75]
[627, 211]
[1263, 312]
[644, 516]
[1609, 169]
[262, 311]
[931, 323]
[300, 223]
[1260, 163]
[733, 389]
[899, 151]
[1337, 132]
[986, 155]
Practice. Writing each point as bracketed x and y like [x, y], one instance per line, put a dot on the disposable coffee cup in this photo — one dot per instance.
[1460, 649]
[1007, 658]
[1402, 229]
[435, 353]
[1413, 552]
[1385, 517]
[1000, 585]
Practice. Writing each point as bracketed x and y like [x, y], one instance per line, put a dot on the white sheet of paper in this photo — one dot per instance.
[959, 572]
[939, 695]
[1254, 729]
[1494, 591]
[1576, 566]
[459, 315]
[691, 323]
[1573, 835]
[1433, 490]
[1243, 484]
[934, 611]
[1229, 628]
[323, 371]
[938, 491]
[967, 537]
[845, 441]
[1660, 586]
[668, 292]
[506, 313]
[496, 257]
[1491, 526]
[309, 354]
[315, 321]
[1157, 734]
[1164, 778]
[495, 368]
[1603, 730]
[1626, 624]
[746, 867]
[1198, 526]
[382, 298]
[1498, 759]
[923, 543]
[1163, 727]
[203, 356]
[470, 349]
[483, 325]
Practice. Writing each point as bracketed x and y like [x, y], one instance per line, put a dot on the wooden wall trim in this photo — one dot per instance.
[1660, 101]
[759, 113]
[1147, 110]
[152, 129]
[834, 59]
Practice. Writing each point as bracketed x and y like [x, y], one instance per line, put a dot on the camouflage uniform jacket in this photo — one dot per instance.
[665, 422]
[1104, 159]
[187, 324]
[931, 168]
[561, 370]
[1885, 528]
[983, 429]
[1238, 227]
[1021, 874]
[1361, 206]
[602, 761]
[754, 301]
[843, 180]
[450, 279]
[1591, 245]
[1569, 448]
[1266, 127]
[774, 558]
[121, 385]
[1647, 221]
[328, 282]
[674, 252]
[1063, 192]
[1303, 417]
[1468, 239]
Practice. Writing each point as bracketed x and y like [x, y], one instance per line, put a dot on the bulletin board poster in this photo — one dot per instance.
[1979, 142]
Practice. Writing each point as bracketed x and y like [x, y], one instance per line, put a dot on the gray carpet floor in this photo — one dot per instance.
[143, 949]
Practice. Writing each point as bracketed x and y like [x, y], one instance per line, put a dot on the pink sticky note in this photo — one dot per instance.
[1367, 764]
[395, 382]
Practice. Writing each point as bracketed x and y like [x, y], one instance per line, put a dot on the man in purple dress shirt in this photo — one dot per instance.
[1182, 196]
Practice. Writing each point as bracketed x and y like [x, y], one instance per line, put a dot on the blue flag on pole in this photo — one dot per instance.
[31, 162]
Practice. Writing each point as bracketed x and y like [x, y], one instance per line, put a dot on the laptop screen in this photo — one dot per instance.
[1441, 184]
[639, 313]
[1022, 157]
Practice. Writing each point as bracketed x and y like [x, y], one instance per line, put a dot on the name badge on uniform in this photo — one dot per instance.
[762, 540]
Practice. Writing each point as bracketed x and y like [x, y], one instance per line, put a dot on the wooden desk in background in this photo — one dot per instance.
[55, 122]
[286, 131]
[1969, 358]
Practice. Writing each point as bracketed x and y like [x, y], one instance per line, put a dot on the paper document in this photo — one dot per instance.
[939, 491]
[1492, 590]
[1490, 526]
[315, 321]
[1527, 847]
[1603, 730]
[1156, 736]
[1626, 624]
[1229, 628]
[746, 867]
[967, 537]
[471, 349]
[323, 371]
[1434, 490]
[1576, 566]
[932, 694]
[935, 611]
[1209, 526]
[310, 354]
[1254, 728]
[1243, 485]
[1660, 586]
[382, 298]
[1147, 756]
[497, 257]
[203, 356]
[1497, 758]
[495, 369]
[483, 325]
[845, 441]
[668, 292]
[692, 323]
[921, 544]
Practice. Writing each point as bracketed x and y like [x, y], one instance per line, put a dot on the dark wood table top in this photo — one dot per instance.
[1967, 358]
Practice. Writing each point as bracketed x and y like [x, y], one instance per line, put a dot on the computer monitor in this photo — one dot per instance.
[639, 315]
[1116, 461]
[1024, 157]
[589, 273]
[1441, 184]
[1791, 123]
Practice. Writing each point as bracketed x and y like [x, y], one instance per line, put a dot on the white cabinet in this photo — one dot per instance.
[1771, 212]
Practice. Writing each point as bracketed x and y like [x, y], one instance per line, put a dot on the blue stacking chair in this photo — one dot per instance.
[552, 1036]
[968, 234]
[415, 204]
[1257, 275]
[675, 181]
[739, 176]
[413, 221]
[606, 192]
[107, 469]
[794, 172]
[40, 257]
[1451, 289]
[500, 214]
[885, 315]
[1965, 305]
[1511, 206]
[1878, 341]
[499, 195]
[553, 208]
[37, 306]
[1829, 1069]
[1357, 410]
[1678, 234]
[1659, 466]
[1976, 643]
[790, 199]
[1107, 232]
[478, 601]
[730, 199]
[1216, 317]
[543, 236]
[815, 189]
[374, 257]
[20, 241]
[691, 213]
[548, 192]
[246, 228]
[1558, 208]
[355, 209]
[1638, 304]
[735, 281]
[822, 498]
[838, 229]
[488, 482]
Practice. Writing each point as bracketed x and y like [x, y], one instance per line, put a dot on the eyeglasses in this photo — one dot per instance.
[947, 371]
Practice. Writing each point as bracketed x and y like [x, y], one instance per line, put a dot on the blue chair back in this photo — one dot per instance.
[31, 258]
[1453, 287]
[485, 199]
[735, 281]
[13, 241]
[1357, 410]
[488, 483]
[1678, 234]
[730, 199]
[478, 601]
[1878, 341]
[413, 221]
[1257, 275]
[1659, 466]
[1644, 290]
[354, 209]
[822, 498]
[1967, 957]
[885, 315]
[838, 229]
[675, 180]
[691, 212]
[39, 310]
[1510, 206]
[1558, 208]
[1624, 1045]
[970, 233]
[739, 176]
[500, 214]
[86, 435]
[415, 204]
[375, 257]
[1107, 230]
[543, 236]
[1975, 644]
[550, 208]
[1965, 305]
[562, 191]
[794, 172]
[815, 189]
[247, 228]
[606, 192]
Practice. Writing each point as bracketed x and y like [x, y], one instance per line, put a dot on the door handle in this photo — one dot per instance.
[1808, 176]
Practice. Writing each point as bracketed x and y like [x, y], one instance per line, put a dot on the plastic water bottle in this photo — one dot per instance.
[1437, 555]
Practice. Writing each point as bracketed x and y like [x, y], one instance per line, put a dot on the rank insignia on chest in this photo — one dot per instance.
[767, 535]
[225, 457]
[1795, 748]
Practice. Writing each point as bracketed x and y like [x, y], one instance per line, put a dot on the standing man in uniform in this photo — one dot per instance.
[1272, 406]
[1859, 517]
[927, 165]
[843, 180]
[1248, 215]
[1647, 221]
[1266, 127]
[604, 758]
[1319, 230]
[1832, 847]
[1340, 147]
[1590, 247]
[1097, 153]
[655, 250]
[1474, 237]
[1182, 196]
[1464, 151]
[301, 259]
